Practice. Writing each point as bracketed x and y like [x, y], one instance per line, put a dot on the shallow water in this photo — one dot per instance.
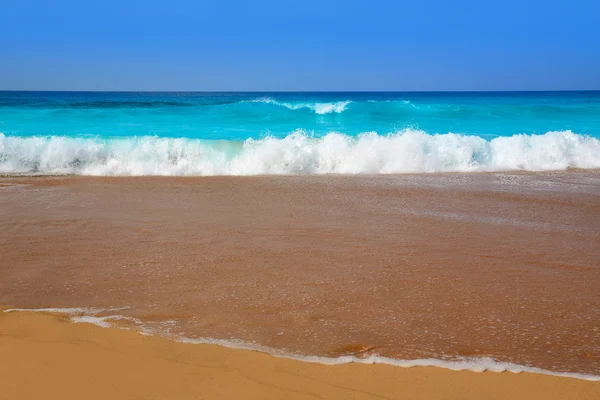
[499, 266]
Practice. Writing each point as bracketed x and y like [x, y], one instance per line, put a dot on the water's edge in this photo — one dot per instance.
[473, 364]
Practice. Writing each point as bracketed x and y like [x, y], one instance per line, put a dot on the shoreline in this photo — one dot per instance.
[448, 266]
[477, 365]
[68, 360]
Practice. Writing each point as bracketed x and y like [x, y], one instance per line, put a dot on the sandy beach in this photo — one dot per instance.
[498, 266]
[43, 356]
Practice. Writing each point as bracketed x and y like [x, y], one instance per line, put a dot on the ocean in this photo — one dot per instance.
[197, 134]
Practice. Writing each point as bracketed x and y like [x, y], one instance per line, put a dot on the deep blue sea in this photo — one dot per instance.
[118, 133]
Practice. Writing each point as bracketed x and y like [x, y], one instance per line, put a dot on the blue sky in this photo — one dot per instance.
[299, 45]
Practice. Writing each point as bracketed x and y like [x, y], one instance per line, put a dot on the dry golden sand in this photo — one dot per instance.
[46, 357]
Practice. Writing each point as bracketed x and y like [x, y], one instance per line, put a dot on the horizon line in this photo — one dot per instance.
[300, 91]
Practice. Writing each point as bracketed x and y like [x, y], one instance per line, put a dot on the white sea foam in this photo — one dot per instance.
[83, 314]
[319, 108]
[102, 322]
[407, 151]
[474, 364]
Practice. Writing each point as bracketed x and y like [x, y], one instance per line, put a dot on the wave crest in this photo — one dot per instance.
[319, 108]
[408, 151]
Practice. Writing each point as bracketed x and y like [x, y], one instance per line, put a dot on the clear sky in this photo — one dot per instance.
[299, 45]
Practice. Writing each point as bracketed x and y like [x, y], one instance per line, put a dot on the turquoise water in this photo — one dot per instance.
[288, 133]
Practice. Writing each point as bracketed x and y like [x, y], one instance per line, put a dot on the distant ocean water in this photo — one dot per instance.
[97, 133]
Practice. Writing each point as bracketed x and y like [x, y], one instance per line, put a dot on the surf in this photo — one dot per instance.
[406, 151]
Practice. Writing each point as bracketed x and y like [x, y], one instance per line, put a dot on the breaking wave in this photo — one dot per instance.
[319, 108]
[407, 151]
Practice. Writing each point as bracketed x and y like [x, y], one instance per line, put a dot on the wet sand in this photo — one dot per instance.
[42, 356]
[413, 266]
